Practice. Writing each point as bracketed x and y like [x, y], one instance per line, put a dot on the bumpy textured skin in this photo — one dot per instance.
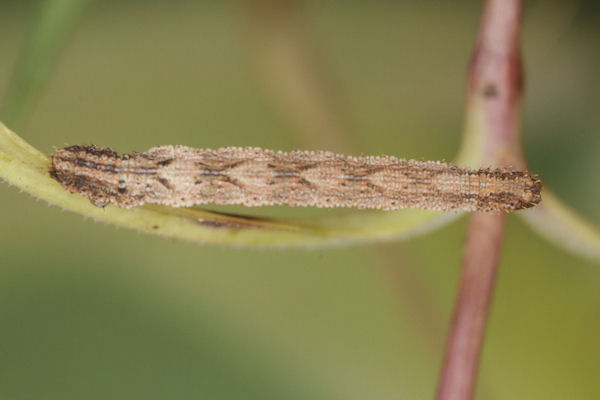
[180, 176]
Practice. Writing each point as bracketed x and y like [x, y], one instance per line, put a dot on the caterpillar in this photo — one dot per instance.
[180, 176]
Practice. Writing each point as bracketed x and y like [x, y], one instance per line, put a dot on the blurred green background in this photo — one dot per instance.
[89, 311]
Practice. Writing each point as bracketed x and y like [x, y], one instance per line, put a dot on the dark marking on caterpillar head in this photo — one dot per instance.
[96, 190]
[93, 165]
[93, 150]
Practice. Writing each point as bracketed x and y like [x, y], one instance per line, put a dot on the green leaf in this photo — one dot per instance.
[562, 226]
[55, 20]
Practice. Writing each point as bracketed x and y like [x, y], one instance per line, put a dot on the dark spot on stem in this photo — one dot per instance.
[490, 91]
[236, 221]
[228, 224]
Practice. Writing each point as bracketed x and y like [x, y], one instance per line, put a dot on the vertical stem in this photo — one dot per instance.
[492, 132]
[465, 339]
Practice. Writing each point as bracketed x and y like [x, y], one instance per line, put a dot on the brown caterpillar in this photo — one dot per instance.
[180, 176]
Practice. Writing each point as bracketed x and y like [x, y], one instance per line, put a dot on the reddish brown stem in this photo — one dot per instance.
[478, 274]
[495, 86]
